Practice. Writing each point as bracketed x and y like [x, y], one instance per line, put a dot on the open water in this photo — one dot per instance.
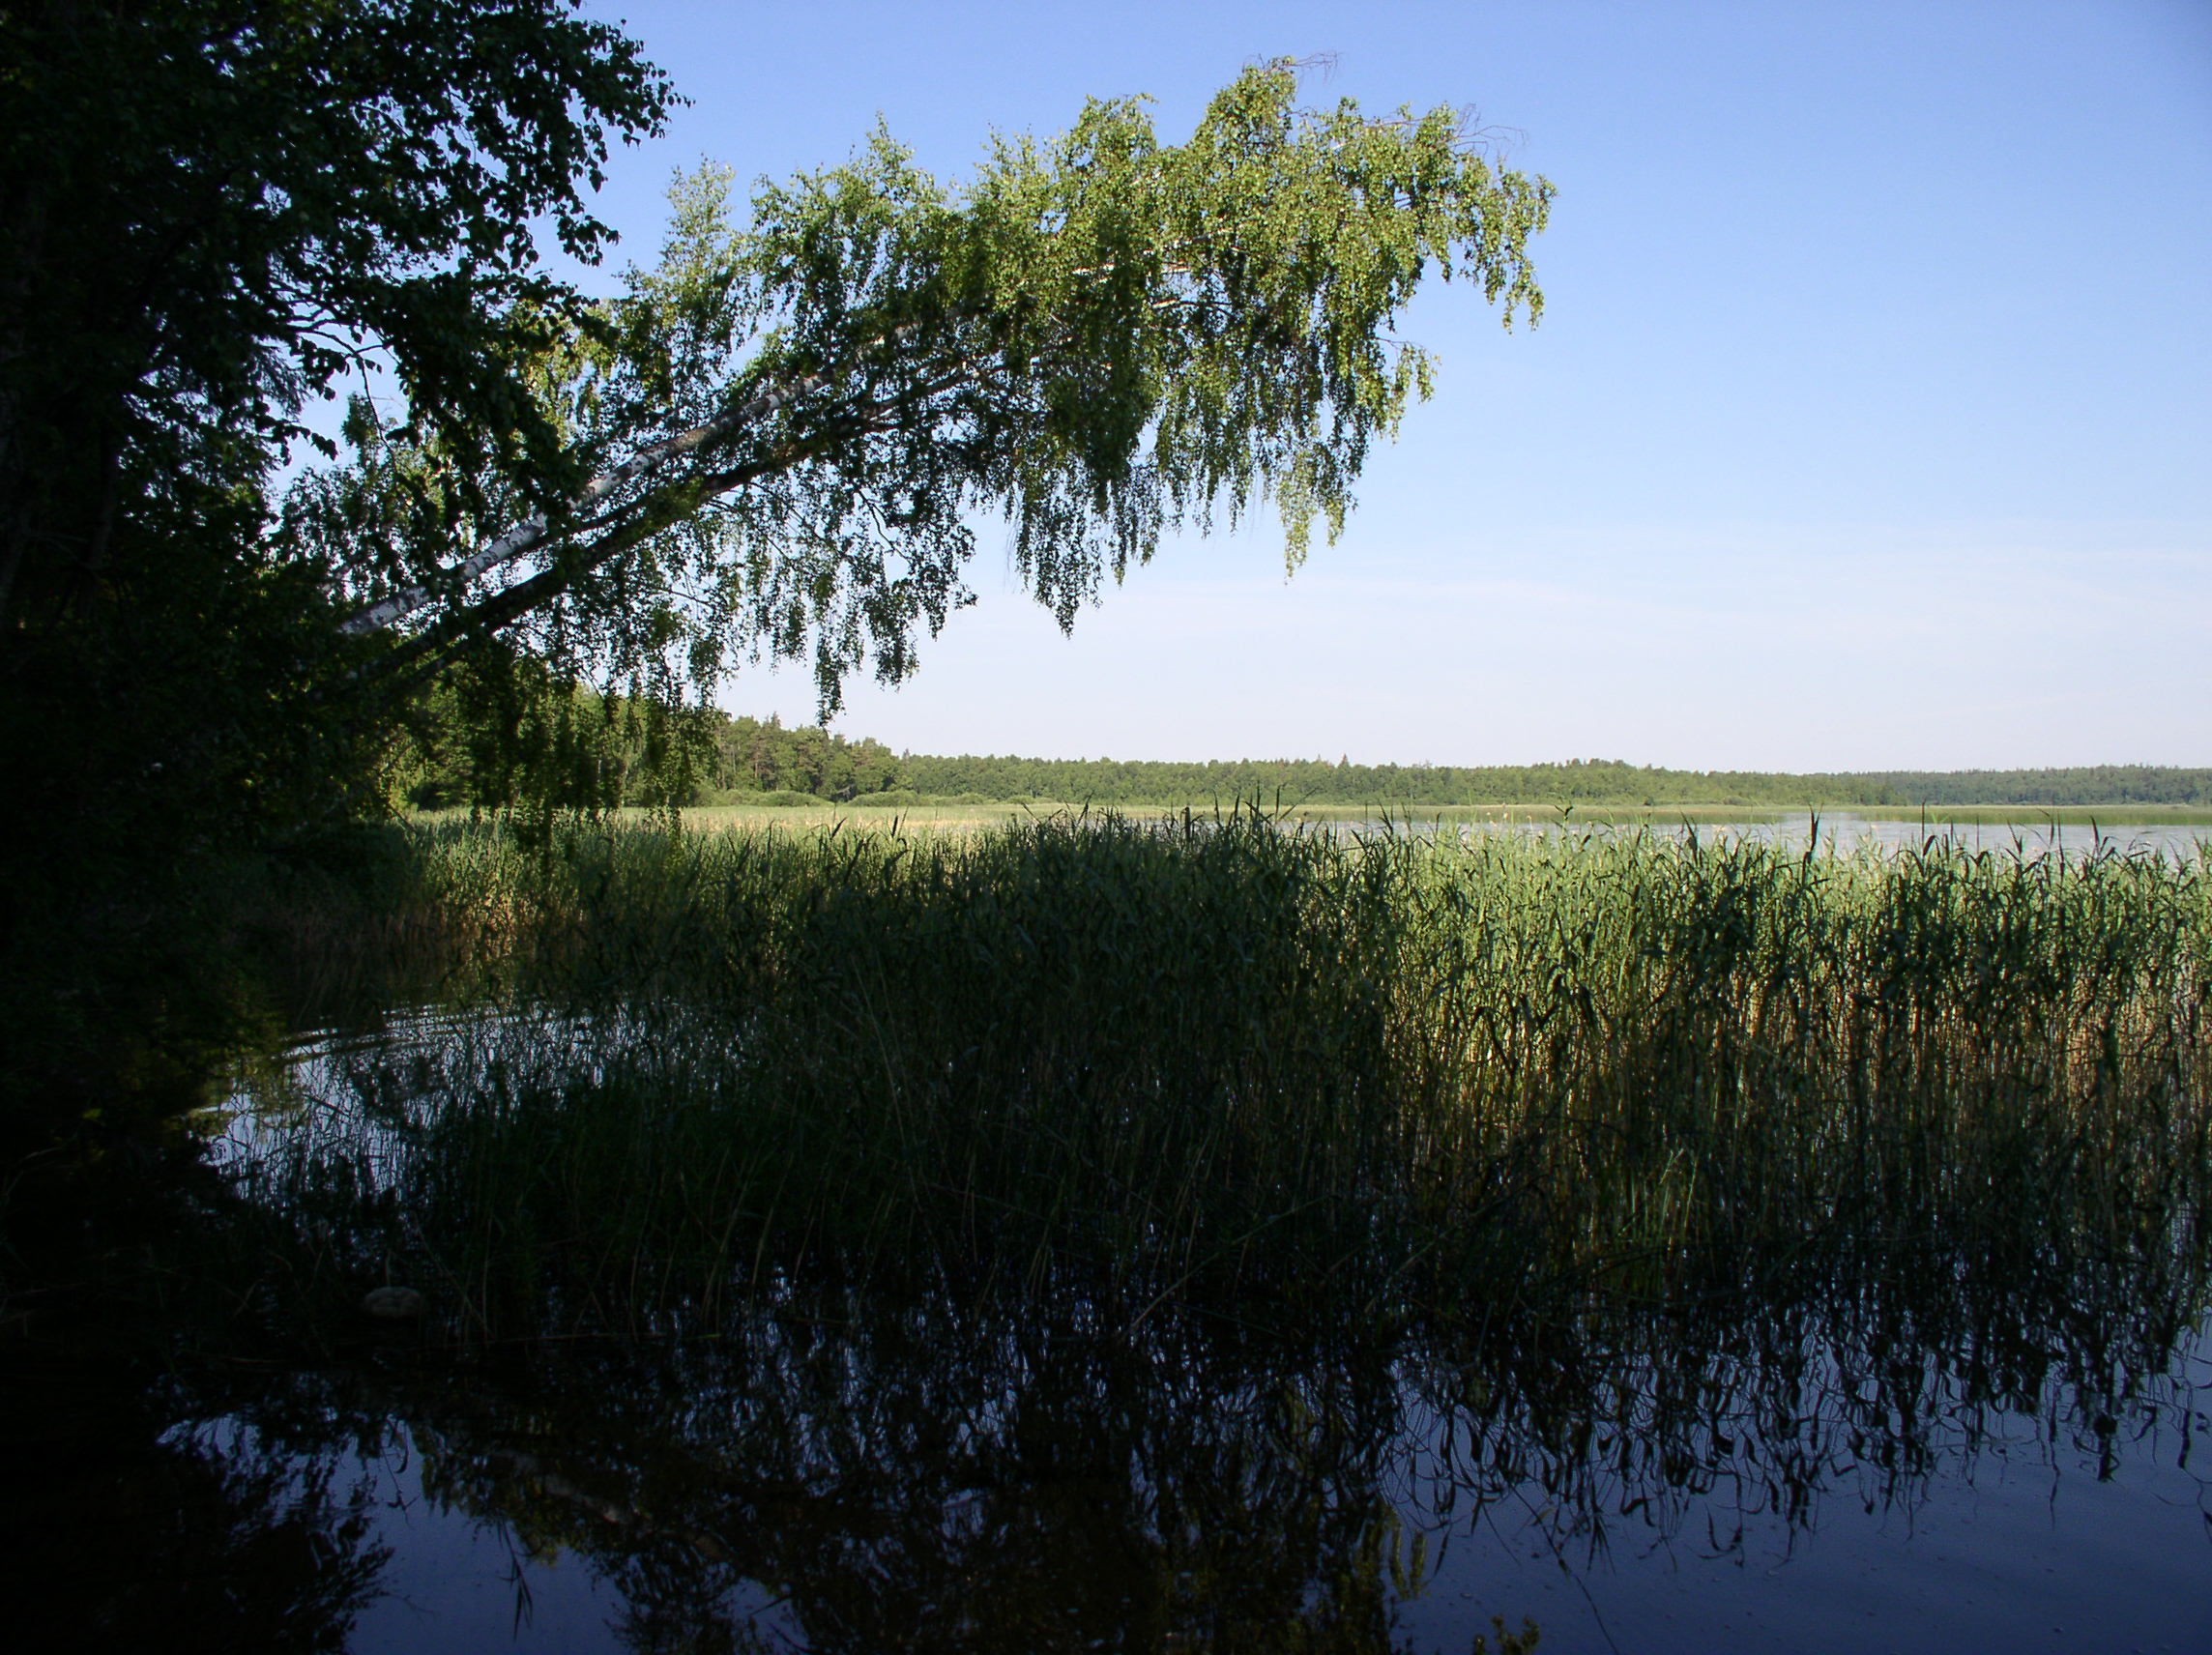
[1902, 1462]
[1846, 830]
[1979, 1527]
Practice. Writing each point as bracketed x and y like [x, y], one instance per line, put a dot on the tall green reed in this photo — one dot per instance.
[1271, 1068]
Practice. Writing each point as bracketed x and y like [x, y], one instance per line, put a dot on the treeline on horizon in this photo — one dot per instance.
[730, 760]
[1577, 781]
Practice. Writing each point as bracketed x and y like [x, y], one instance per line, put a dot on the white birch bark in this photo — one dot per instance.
[525, 537]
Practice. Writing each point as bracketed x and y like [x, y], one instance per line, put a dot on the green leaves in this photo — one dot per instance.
[779, 441]
[212, 215]
[795, 426]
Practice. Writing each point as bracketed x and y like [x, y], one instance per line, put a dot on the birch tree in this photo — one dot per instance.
[787, 431]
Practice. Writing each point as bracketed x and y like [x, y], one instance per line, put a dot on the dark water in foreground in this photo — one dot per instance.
[944, 1482]
[1885, 1453]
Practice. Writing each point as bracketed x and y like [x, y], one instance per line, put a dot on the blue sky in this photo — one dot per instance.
[1869, 424]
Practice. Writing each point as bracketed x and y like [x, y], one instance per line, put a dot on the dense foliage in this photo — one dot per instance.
[211, 216]
[586, 751]
[767, 758]
[1597, 781]
[774, 441]
[214, 215]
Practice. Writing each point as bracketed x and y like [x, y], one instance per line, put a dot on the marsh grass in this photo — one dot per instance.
[2029, 817]
[1233, 1061]
[910, 811]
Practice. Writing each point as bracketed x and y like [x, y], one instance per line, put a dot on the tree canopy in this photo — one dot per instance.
[778, 440]
[791, 424]
[214, 209]
[212, 213]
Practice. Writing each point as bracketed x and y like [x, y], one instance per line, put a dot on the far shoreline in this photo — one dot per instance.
[882, 808]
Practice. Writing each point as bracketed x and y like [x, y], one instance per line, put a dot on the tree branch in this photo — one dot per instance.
[432, 647]
[531, 532]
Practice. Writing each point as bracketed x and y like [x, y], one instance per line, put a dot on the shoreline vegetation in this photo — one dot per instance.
[739, 1171]
[615, 753]
[1227, 1060]
[960, 810]
[1585, 784]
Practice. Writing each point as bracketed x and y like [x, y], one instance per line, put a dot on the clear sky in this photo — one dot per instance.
[1870, 423]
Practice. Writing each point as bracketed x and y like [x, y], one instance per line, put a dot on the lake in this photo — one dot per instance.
[1987, 1457]
[918, 1483]
[1845, 830]
[1121, 1238]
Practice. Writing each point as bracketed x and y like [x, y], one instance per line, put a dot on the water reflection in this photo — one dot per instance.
[124, 1529]
[1841, 1296]
[840, 1474]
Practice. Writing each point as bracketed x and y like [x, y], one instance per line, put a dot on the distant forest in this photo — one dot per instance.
[1594, 781]
[736, 759]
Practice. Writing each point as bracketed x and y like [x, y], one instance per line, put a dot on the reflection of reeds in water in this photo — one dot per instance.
[1149, 1230]
[1264, 1070]
[849, 1472]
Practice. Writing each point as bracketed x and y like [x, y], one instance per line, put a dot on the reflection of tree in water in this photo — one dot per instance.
[946, 1481]
[880, 1468]
[923, 1477]
[209, 1540]
[846, 1473]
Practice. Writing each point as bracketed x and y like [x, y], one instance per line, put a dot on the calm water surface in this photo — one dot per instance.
[1843, 831]
[1890, 1454]
[1074, 1501]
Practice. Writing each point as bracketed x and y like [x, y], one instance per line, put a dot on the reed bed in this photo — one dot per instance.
[1236, 1063]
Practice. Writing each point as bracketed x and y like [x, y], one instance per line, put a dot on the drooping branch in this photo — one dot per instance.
[1123, 337]
[672, 504]
[531, 532]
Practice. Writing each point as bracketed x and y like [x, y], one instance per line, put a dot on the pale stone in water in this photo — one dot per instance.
[395, 1304]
